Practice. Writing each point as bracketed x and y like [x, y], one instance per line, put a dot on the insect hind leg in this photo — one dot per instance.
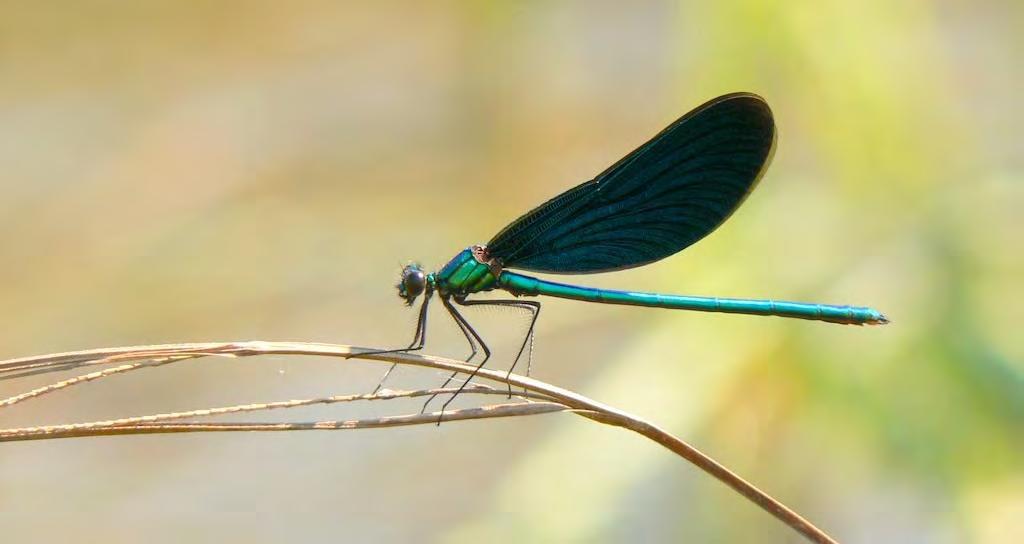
[529, 305]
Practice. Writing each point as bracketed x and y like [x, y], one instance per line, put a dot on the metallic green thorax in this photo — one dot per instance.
[465, 274]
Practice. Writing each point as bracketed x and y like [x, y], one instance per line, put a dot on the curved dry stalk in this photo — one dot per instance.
[144, 427]
[56, 362]
[556, 399]
[40, 391]
[154, 420]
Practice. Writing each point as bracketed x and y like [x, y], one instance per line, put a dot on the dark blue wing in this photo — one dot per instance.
[662, 197]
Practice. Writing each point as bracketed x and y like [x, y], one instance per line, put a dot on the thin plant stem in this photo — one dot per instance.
[554, 399]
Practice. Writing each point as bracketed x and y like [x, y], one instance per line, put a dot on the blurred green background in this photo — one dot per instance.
[178, 171]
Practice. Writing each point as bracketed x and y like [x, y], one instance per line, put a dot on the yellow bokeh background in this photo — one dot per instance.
[177, 171]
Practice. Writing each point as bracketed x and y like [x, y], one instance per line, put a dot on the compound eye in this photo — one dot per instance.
[413, 282]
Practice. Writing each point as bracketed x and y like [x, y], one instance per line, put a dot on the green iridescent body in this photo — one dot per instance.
[659, 199]
[467, 273]
[464, 275]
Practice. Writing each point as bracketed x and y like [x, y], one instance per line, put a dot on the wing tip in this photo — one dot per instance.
[751, 101]
[743, 96]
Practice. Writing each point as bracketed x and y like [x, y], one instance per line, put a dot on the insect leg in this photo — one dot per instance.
[464, 328]
[531, 306]
[419, 338]
[476, 336]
